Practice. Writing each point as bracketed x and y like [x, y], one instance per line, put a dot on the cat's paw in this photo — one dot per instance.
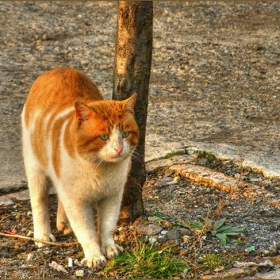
[112, 251]
[94, 261]
[64, 227]
[43, 237]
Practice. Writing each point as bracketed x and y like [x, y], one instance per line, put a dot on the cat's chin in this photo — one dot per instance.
[114, 158]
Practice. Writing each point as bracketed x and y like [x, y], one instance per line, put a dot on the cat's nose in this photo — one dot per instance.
[118, 149]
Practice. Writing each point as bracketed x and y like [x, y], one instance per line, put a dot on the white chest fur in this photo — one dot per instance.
[84, 180]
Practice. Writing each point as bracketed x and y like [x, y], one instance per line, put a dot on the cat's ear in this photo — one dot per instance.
[83, 112]
[129, 103]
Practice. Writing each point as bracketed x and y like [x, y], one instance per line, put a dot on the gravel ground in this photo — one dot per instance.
[184, 199]
[172, 203]
[215, 85]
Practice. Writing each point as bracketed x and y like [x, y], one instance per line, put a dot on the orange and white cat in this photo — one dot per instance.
[82, 145]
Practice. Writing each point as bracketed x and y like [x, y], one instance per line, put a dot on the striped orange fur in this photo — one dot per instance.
[83, 144]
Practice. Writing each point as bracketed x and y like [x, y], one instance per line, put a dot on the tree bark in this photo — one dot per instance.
[133, 55]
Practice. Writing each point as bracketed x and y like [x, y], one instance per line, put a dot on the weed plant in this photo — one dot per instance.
[148, 260]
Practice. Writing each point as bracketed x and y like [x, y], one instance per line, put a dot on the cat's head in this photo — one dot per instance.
[106, 130]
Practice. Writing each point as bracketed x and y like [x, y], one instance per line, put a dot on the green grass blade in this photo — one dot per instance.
[219, 223]
[224, 228]
[234, 230]
[222, 237]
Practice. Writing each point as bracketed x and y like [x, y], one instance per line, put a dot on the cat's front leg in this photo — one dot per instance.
[108, 213]
[81, 217]
[39, 193]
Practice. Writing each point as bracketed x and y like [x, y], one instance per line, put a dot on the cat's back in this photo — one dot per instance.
[59, 89]
[64, 84]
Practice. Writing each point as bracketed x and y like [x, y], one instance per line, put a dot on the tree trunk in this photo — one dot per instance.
[133, 55]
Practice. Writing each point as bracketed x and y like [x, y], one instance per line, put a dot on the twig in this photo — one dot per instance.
[18, 204]
[42, 241]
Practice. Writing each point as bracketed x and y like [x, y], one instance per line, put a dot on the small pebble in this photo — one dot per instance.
[46, 252]
[46, 37]
[167, 179]
[150, 229]
[161, 237]
[173, 234]
[166, 224]
[29, 257]
[171, 183]
[77, 263]
[80, 273]
[263, 253]
[186, 238]
[30, 233]
[152, 240]
[273, 251]
[185, 231]
[159, 184]
[57, 267]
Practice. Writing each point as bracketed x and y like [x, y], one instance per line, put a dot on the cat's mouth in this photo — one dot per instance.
[116, 157]
[112, 158]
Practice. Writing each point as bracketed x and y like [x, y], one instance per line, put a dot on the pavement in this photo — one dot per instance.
[216, 93]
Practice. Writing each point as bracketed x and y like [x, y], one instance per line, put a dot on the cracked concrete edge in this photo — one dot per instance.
[260, 161]
[206, 176]
[266, 163]
[235, 273]
[12, 188]
[8, 199]
[183, 165]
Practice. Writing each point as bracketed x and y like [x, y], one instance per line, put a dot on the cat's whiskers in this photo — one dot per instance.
[136, 155]
[95, 160]
[99, 162]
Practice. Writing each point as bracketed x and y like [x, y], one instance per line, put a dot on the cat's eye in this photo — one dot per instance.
[125, 134]
[104, 137]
